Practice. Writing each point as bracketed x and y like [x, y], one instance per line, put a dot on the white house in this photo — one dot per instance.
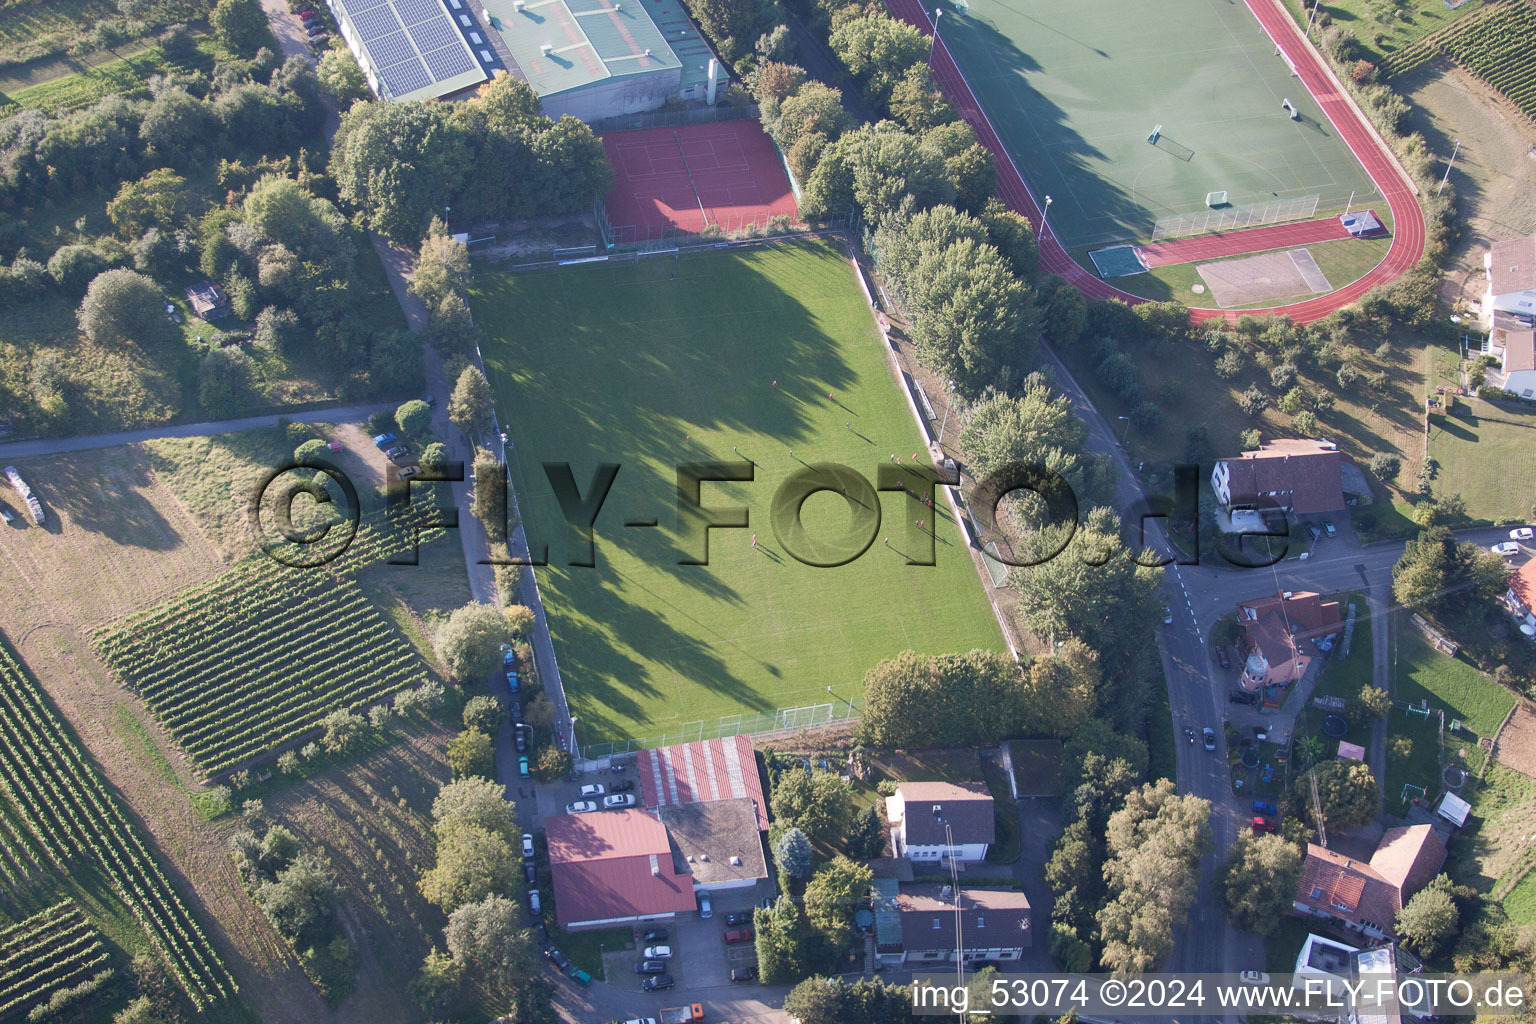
[1511, 270]
[934, 821]
[1513, 343]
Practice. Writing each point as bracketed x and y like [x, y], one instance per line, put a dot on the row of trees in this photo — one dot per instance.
[401, 164]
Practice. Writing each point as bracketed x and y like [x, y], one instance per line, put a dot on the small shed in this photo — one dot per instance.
[208, 300]
[1351, 751]
[1454, 809]
[1364, 224]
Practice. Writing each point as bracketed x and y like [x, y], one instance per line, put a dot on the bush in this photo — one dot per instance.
[470, 754]
[1253, 401]
[1385, 466]
[484, 713]
[1146, 416]
[178, 44]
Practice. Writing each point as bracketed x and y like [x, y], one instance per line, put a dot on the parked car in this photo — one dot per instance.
[522, 768]
[1329, 528]
[743, 973]
[384, 440]
[1254, 978]
[655, 935]
[508, 656]
[740, 917]
[319, 42]
[1241, 696]
[315, 28]
[706, 909]
[557, 958]
[1522, 533]
[533, 902]
[1263, 824]
[519, 739]
[579, 976]
[650, 967]
[1221, 656]
[530, 873]
[527, 846]
[621, 787]
[581, 807]
[512, 681]
[618, 801]
[1314, 532]
[593, 789]
[410, 471]
[398, 454]
[1208, 736]
[1506, 548]
[658, 952]
[1260, 807]
[308, 16]
[736, 936]
[335, 447]
[656, 983]
[517, 710]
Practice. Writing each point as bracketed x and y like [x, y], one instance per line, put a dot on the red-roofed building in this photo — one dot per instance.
[698, 772]
[1291, 474]
[614, 867]
[1366, 897]
[1281, 634]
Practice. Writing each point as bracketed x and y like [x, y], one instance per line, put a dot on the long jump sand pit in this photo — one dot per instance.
[1261, 278]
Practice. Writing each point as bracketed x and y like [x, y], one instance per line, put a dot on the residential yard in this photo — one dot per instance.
[1482, 451]
[1421, 673]
[955, 765]
[1036, 764]
[1282, 947]
[1344, 679]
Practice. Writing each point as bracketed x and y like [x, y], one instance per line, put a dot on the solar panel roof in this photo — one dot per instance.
[411, 47]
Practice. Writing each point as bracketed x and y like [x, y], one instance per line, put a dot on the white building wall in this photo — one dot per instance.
[614, 96]
[963, 852]
[1522, 383]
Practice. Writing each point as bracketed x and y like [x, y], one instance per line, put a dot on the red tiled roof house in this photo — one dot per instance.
[1290, 474]
[1280, 635]
[614, 867]
[1363, 897]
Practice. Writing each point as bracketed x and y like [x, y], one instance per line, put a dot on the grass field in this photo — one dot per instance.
[1482, 452]
[1076, 100]
[627, 363]
[1385, 28]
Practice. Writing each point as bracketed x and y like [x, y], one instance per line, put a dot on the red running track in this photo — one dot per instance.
[1408, 219]
[1235, 243]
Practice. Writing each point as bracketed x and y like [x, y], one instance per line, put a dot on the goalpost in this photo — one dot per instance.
[574, 252]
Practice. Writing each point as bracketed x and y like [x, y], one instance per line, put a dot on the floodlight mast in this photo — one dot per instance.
[934, 42]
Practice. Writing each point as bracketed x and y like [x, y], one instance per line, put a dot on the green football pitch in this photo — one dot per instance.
[1075, 90]
[665, 361]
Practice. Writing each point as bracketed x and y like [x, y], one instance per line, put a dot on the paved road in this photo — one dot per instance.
[58, 446]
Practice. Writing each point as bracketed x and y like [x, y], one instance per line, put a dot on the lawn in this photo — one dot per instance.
[1345, 678]
[1482, 451]
[1420, 673]
[1076, 100]
[748, 358]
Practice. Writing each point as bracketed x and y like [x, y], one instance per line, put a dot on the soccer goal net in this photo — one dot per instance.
[1235, 218]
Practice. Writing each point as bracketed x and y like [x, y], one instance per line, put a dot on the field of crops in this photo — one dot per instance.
[256, 658]
[52, 950]
[72, 816]
[1495, 45]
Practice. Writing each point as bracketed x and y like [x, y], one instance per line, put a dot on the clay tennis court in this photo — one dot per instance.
[684, 179]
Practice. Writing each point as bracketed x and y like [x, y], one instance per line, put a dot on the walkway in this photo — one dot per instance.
[1347, 119]
[1234, 243]
[58, 446]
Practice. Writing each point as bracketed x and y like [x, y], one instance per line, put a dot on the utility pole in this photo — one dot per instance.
[1448, 167]
[1315, 5]
[1044, 217]
[933, 43]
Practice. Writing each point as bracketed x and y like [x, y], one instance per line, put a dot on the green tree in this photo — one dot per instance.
[877, 49]
[241, 25]
[476, 801]
[301, 902]
[123, 306]
[1444, 576]
[278, 330]
[471, 754]
[1256, 885]
[141, 1011]
[442, 265]
[792, 853]
[437, 985]
[814, 109]
[787, 947]
[342, 77]
[490, 504]
[820, 804]
[918, 103]
[399, 164]
[450, 327]
[414, 418]
[731, 24]
[1155, 844]
[488, 937]
[470, 641]
[866, 839]
[470, 405]
[344, 730]
[837, 889]
[472, 864]
[552, 764]
[73, 267]
[282, 210]
[1372, 702]
[434, 457]
[1346, 793]
[1429, 920]
[1060, 690]
[915, 700]
[484, 713]
[223, 381]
